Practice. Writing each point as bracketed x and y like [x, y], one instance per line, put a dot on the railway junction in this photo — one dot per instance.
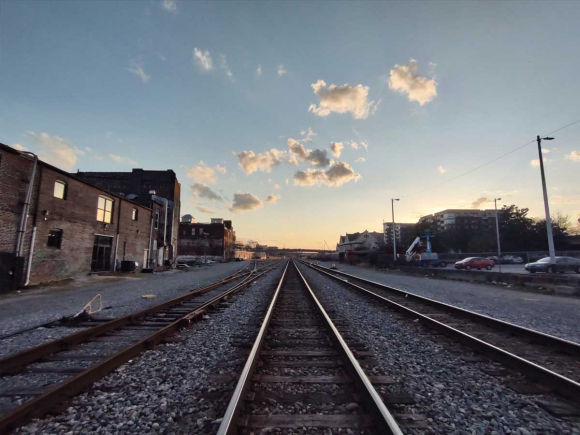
[287, 346]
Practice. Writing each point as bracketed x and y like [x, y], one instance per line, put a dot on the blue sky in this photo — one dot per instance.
[423, 93]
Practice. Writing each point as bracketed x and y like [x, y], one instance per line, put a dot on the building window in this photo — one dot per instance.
[60, 189]
[105, 210]
[135, 215]
[193, 231]
[156, 220]
[54, 238]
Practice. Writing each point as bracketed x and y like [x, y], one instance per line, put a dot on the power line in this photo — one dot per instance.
[487, 163]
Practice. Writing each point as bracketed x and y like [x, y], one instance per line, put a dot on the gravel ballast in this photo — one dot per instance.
[169, 389]
[118, 298]
[554, 315]
[455, 396]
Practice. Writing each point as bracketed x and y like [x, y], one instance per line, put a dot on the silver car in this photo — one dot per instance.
[563, 264]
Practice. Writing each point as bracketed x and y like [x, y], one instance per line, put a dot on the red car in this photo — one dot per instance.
[475, 263]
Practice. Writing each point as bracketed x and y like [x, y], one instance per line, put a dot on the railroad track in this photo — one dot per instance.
[549, 360]
[52, 373]
[301, 372]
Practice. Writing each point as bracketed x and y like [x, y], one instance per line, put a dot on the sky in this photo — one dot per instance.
[301, 120]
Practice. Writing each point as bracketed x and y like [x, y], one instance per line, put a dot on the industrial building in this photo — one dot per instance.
[140, 185]
[56, 225]
[214, 239]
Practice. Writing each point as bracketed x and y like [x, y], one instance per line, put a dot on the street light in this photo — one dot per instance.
[497, 232]
[546, 206]
[394, 240]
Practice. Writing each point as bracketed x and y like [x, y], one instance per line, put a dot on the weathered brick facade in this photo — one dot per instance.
[85, 243]
[140, 182]
[219, 241]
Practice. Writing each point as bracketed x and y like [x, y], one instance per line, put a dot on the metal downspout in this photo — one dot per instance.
[24, 217]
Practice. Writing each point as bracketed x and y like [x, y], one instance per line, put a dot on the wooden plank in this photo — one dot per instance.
[312, 353]
[559, 409]
[301, 379]
[309, 420]
[412, 420]
[58, 357]
[397, 398]
[382, 380]
[288, 364]
[272, 396]
[63, 370]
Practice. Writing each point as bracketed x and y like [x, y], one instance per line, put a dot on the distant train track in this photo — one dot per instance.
[75, 361]
[550, 360]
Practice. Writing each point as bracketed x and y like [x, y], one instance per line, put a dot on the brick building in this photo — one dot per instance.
[215, 239]
[71, 228]
[137, 185]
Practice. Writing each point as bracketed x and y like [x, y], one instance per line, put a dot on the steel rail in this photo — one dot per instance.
[228, 425]
[64, 391]
[384, 418]
[372, 399]
[564, 386]
[15, 361]
[567, 345]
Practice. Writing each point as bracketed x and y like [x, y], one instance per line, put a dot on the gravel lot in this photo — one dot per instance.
[167, 389]
[119, 295]
[553, 315]
[456, 396]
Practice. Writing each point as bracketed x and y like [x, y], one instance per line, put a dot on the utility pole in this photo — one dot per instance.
[394, 234]
[546, 206]
[497, 232]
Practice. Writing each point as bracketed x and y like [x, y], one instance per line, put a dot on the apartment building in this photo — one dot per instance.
[474, 219]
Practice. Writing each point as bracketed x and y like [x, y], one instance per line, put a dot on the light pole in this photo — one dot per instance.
[546, 206]
[497, 232]
[394, 235]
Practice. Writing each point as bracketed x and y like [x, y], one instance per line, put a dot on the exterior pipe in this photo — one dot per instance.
[29, 264]
[117, 238]
[24, 217]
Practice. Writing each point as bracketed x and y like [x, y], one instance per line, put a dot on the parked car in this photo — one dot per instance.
[475, 263]
[506, 259]
[563, 264]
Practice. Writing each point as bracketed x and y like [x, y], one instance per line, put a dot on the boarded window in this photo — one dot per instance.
[193, 231]
[105, 210]
[54, 238]
[60, 189]
[156, 221]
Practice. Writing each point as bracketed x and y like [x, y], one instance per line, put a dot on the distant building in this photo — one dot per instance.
[480, 220]
[215, 239]
[137, 185]
[187, 218]
[401, 232]
[364, 242]
[71, 228]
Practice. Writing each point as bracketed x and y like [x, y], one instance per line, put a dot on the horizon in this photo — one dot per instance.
[299, 137]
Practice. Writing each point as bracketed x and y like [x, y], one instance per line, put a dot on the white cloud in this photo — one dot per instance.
[19, 147]
[264, 162]
[88, 149]
[338, 174]
[357, 145]
[316, 157]
[276, 186]
[56, 150]
[169, 5]
[273, 198]
[220, 169]
[123, 160]
[336, 148]
[536, 162]
[545, 151]
[203, 209]
[360, 160]
[441, 169]
[309, 135]
[245, 202]
[259, 70]
[136, 68]
[406, 80]
[479, 202]
[281, 70]
[342, 99]
[573, 156]
[203, 59]
[202, 173]
[204, 191]
[225, 67]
